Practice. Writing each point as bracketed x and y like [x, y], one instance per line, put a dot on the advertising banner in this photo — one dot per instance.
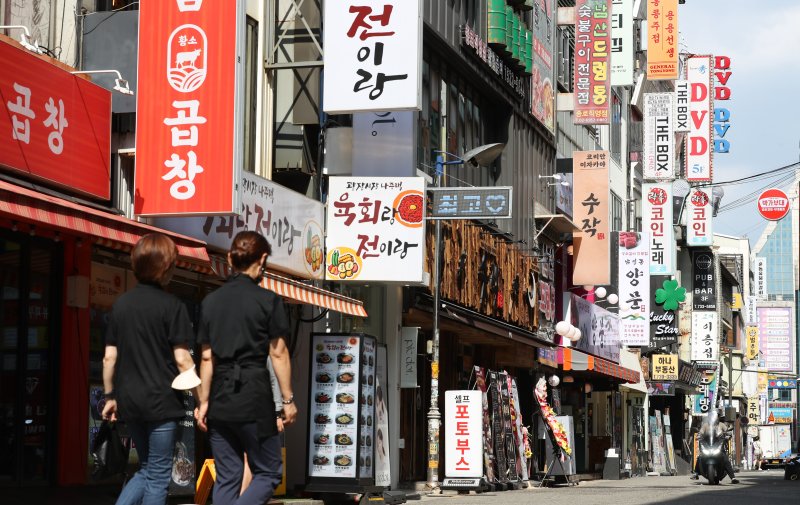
[776, 338]
[665, 367]
[705, 336]
[782, 415]
[681, 103]
[699, 229]
[376, 229]
[634, 288]
[657, 213]
[591, 256]
[699, 155]
[663, 323]
[463, 433]
[543, 92]
[704, 290]
[599, 329]
[751, 314]
[760, 268]
[659, 137]
[190, 96]
[722, 93]
[408, 356]
[592, 61]
[622, 42]
[662, 39]
[753, 410]
[54, 126]
[373, 56]
[751, 333]
[704, 402]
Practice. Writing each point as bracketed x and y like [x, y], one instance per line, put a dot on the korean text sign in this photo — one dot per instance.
[704, 402]
[705, 336]
[657, 215]
[376, 229]
[373, 55]
[634, 288]
[188, 133]
[591, 258]
[54, 126]
[752, 342]
[760, 267]
[662, 39]
[659, 157]
[622, 42]
[776, 338]
[463, 421]
[291, 222]
[699, 154]
[592, 61]
[704, 288]
[665, 367]
[599, 329]
[699, 230]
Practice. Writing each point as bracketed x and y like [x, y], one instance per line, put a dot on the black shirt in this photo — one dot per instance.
[238, 320]
[146, 324]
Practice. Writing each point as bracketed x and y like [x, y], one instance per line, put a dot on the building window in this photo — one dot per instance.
[616, 212]
[250, 115]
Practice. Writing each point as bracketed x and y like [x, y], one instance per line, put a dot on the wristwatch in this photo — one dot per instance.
[289, 401]
[110, 395]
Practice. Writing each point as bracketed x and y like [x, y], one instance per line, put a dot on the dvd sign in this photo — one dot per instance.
[773, 204]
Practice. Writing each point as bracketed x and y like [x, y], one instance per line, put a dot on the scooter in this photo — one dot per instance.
[711, 460]
[792, 468]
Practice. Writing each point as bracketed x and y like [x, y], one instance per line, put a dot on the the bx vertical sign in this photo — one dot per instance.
[657, 214]
[699, 228]
[189, 102]
[592, 61]
[699, 155]
[463, 421]
[659, 142]
[373, 55]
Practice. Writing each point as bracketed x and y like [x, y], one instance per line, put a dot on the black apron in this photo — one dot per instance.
[241, 392]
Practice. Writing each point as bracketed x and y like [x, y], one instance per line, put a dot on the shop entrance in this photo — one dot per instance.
[30, 287]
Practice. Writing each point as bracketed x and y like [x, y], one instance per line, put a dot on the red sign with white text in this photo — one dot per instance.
[54, 126]
[773, 204]
[188, 136]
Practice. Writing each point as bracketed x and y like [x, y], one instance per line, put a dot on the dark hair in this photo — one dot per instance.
[153, 258]
[247, 248]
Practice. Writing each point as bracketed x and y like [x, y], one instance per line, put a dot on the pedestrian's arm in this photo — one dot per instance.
[206, 373]
[109, 364]
[281, 363]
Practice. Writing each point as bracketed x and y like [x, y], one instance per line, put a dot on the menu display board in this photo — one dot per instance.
[366, 420]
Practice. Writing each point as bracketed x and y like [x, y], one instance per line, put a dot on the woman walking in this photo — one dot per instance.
[147, 344]
[242, 324]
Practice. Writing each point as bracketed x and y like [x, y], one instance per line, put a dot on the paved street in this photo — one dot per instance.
[766, 488]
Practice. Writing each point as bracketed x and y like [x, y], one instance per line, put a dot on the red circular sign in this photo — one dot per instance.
[699, 198]
[773, 204]
[657, 196]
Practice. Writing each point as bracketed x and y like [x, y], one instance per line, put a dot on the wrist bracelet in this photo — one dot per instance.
[289, 401]
[110, 395]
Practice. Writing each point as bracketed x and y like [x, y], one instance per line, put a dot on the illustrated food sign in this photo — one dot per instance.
[471, 203]
[665, 367]
[659, 158]
[705, 336]
[543, 94]
[722, 116]
[373, 55]
[657, 215]
[592, 62]
[634, 288]
[463, 421]
[773, 204]
[622, 42]
[188, 130]
[376, 229]
[776, 338]
[590, 212]
[291, 222]
[699, 230]
[54, 126]
[662, 39]
[698, 141]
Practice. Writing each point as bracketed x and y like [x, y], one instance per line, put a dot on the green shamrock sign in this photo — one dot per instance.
[670, 295]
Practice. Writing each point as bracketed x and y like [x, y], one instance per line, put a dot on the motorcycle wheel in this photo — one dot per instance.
[711, 475]
[794, 476]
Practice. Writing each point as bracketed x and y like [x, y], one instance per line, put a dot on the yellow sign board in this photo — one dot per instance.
[753, 410]
[752, 342]
[763, 381]
[737, 303]
[665, 367]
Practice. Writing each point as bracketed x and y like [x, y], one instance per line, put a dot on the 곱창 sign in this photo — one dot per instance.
[492, 202]
[190, 96]
[773, 204]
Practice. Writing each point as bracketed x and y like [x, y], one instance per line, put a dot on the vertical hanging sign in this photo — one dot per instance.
[634, 288]
[188, 106]
[699, 157]
[722, 116]
[681, 102]
[761, 279]
[704, 291]
[622, 42]
[592, 62]
[699, 228]
[662, 39]
[591, 257]
[659, 158]
[657, 215]
[705, 336]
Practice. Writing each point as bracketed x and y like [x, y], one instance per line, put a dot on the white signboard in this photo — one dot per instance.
[751, 310]
[622, 42]
[376, 229]
[698, 140]
[760, 267]
[634, 288]
[659, 139]
[463, 433]
[657, 215]
[699, 230]
[373, 55]
[291, 222]
[681, 102]
[705, 336]
[408, 357]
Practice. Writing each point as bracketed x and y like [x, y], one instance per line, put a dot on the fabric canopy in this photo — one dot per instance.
[571, 359]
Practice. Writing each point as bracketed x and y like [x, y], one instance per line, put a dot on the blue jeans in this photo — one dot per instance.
[229, 443]
[155, 445]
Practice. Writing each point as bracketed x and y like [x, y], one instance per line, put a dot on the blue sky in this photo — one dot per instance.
[762, 40]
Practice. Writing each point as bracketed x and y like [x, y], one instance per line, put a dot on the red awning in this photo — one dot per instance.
[299, 291]
[108, 230]
[571, 359]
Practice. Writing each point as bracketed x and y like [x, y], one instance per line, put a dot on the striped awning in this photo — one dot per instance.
[108, 230]
[571, 359]
[299, 291]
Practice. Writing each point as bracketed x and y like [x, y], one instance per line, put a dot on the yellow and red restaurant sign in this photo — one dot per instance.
[188, 133]
[592, 62]
[662, 39]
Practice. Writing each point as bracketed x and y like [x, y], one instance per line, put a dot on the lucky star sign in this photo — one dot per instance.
[670, 295]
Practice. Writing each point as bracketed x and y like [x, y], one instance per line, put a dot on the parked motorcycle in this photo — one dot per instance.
[792, 468]
[712, 454]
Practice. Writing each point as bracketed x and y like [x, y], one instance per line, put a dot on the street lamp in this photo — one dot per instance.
[120, 84]
[24, 39]
[480, 156]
